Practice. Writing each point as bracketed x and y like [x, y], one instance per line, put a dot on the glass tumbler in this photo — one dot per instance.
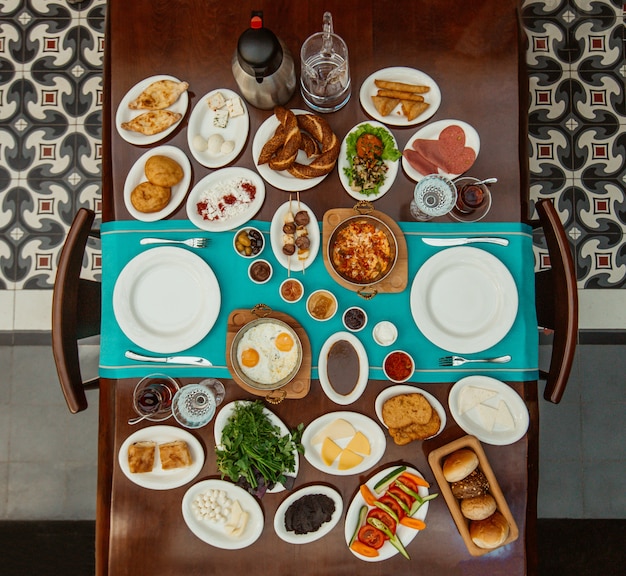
[153, 397]
[194, 404]
[433, 196]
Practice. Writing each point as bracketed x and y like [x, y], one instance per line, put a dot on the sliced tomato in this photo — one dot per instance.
[383, 517]
[409, 483]
[371, 536]
[399, 493]
[391, 503]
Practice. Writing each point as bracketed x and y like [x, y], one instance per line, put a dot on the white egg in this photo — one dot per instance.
[267, 353]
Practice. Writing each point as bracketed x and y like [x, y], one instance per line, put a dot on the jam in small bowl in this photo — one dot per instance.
[398, 366]
[354, 319]
[291, 290]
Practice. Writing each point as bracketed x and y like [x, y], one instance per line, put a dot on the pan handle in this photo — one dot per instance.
[363, 207]
[276, 396]
[261, 310]
[366, 293]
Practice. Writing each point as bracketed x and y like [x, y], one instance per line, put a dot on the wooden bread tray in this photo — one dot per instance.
[398, 278]
[301, 384]
[436, 459]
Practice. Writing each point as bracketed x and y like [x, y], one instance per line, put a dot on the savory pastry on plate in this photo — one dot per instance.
[148, 197]
[174, 455]
[159, 95]
[141, 457]
[163, 171]
[153, 122]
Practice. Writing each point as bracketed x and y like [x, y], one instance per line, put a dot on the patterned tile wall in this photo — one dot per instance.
[50, 130]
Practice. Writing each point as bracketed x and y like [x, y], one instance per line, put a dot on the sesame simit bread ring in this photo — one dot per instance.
[286, 156]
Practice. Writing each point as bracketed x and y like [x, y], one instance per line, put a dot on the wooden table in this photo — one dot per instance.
[471, 49]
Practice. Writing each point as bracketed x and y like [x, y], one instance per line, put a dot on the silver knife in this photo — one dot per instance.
[192, 360]
[462, 241]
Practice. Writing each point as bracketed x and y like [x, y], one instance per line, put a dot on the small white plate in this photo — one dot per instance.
[363, 376]
[471, 421]
[225, 413]
[125, 114]
[276, 236]
[361, 423]
[214, 533]
[225, 175]
[344, 162]
[292, 537]
[280, 179]
[137, 175]
[405, 533]
[160, 479]
[431, 132]
[201, 123]
[406, 389]
[408, 76]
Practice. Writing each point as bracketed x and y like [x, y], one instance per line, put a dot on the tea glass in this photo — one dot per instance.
[433, 196]
[194, 405]
[473, 202]
[325, 73]
[153, 397]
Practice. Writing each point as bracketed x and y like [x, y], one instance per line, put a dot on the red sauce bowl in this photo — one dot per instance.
[398, 366]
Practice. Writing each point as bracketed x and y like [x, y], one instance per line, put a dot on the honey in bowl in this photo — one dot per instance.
[322, 305]
[291, 290]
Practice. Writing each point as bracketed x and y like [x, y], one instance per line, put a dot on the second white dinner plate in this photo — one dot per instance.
[166, 299]
[464, 300]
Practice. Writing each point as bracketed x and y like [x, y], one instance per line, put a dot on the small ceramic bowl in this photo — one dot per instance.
[291, 290]
[321, 305]
[398, 366]
[385, 333]
[260, 271]
[248, 242]
[354, 319]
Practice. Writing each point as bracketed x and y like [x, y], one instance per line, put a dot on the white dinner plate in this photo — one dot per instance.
[225, 413]
[464, 300]
[344, 162]
[215, 533]
[160, 479]
[137, 175]
[472, 420]
[406, 389]
[361, 423]
[276, 236]
[408, 76]
[166, 299]
[431, 132]
[217, 178]
[201, 123]
[280, 179]
[292, 537]
[404, 533]
[125, 114]
[363, 376]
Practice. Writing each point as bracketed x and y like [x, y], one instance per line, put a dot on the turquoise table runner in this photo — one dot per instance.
[120, 244]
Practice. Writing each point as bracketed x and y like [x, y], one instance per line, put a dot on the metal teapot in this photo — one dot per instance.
[263, 67]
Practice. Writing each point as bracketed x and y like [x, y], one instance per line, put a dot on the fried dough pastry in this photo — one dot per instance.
[163, 171]
[152, 122]
[406, 434]
[405, 409]
[401, 86]
[159, 95]
[148, 197]
[174, 455]
[141, 457]
[384, 105]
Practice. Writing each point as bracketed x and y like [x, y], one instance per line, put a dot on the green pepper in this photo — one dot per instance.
[387, 509]
[400, 502]
[393, 539]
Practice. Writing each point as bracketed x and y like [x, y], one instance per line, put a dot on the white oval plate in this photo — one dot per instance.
[223, 416]
[464, 300]
[160, 479]
[169, 275]
[406, 389]
[276, 236]
[471, 420]
[322, 367]
[431, 132]
[223, 175]
[344, 162]
[373, 432]
[280, 179]
[405, 533]
[137, 175]
[400, 74]
[214, 533]
[201, 123]
[292, 537]
[125, 114]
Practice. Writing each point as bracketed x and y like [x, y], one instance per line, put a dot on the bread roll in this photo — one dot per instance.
[459, 464]
[479, 507]
[490, 532]
[163, 171]
[474, 484]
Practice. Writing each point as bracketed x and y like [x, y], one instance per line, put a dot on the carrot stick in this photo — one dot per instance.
[367, 495]
[414, 523]
[364, 549]
[417, 479]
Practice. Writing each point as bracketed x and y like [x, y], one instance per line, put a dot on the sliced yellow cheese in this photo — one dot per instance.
[349, 459]
[338, 428]
[330, 451]
[359, 444]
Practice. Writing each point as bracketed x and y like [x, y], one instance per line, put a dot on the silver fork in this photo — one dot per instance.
[459, 360]
[192, 242]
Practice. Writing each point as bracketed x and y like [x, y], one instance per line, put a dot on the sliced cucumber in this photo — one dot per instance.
[362, 515]
[380, 486]
[420, 501]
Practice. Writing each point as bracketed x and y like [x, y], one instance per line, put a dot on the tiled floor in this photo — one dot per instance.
[50, 123]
